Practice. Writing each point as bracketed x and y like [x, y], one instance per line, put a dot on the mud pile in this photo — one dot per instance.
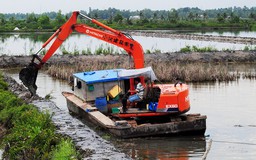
[86, 140]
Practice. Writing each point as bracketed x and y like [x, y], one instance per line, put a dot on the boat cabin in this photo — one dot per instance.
[105, 88]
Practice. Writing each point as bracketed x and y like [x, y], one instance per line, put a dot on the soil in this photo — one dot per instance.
[220, 56]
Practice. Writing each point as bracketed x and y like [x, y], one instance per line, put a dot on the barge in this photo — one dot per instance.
[137, 121]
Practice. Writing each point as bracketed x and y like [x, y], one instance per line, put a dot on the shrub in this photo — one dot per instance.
[31, 134]
[65, 150]
[3, 85]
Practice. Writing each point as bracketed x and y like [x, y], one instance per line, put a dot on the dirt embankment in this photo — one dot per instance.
[91, 145]
[232, 57]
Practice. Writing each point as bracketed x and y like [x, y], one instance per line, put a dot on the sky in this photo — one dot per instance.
[66, 6]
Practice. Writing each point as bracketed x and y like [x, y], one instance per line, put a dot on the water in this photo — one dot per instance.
[234, 34]
[231, 122]
[27, 44]
[48, 86]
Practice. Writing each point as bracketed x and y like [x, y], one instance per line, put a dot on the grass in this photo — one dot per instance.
[64, 151]
[197, 49]
[30, 133]
[165, 71]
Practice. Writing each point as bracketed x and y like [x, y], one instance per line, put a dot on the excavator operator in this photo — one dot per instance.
[139, 91]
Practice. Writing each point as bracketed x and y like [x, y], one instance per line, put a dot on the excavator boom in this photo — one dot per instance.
[28, 75]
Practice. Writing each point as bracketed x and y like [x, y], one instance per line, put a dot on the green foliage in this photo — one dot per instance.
[120, 19]
[196, 49]
[87, 51]
[253, 27]
[65, 150]
[105, 51]
[64, 51]
[186, 49]
[31, 134]
[3, 85]
[249, 48]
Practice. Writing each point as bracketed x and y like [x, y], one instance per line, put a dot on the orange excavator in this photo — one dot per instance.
[173, 97]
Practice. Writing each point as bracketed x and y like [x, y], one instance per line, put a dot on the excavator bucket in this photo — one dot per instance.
[28, 76]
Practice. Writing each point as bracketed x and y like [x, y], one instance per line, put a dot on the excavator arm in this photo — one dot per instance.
[28, 74]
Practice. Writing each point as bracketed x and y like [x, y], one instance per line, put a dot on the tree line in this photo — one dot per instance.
[233, 17]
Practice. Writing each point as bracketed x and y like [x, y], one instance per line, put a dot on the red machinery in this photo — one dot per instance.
[173, 98]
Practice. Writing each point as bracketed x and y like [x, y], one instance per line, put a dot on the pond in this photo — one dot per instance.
[30, 43]
[231, 122]
[251, 34]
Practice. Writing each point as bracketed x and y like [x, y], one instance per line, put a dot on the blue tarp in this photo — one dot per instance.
[99, 76]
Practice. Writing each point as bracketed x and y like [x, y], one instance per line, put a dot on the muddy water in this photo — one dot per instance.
[231, 124]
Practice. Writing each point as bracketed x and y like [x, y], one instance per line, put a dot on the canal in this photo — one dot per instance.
[231, 122]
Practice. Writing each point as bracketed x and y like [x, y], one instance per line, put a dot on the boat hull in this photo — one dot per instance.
[186, 124]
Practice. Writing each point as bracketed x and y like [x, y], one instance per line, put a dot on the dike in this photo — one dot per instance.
[85, 139]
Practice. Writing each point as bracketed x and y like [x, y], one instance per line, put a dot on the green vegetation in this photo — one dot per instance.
[249, 48]
[196, 49]
[193, 18]
[30, 133]
[64, 151]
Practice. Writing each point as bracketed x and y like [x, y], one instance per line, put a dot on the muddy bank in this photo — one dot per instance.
[166, 34]
[90, 143]
[220, 56]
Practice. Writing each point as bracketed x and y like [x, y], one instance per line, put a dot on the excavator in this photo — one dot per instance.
[173, 98]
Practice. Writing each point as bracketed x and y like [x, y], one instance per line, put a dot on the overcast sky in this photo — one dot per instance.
[40, 6]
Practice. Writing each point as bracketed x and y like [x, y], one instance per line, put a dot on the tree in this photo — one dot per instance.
[173, 16]
[155, 16]
[220, 18]
[44, 20]
[141, 15]
[234, 18]
[118, 18]
[252, 16]
[60, 19]
[191, 16]
[205, 16]
[31, 18]
[2, 19]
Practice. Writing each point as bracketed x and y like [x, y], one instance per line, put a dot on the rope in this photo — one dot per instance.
[210, 144]
[207, 150]
[245, 143]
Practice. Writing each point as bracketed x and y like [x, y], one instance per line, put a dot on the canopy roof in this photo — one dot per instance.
[99, 76]
[132, 73]
[115, 75]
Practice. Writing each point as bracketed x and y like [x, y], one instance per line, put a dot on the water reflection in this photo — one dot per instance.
[234, 34]
[29, 43]
[182, 148]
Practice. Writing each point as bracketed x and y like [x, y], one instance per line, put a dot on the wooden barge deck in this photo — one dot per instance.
[137, 125]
